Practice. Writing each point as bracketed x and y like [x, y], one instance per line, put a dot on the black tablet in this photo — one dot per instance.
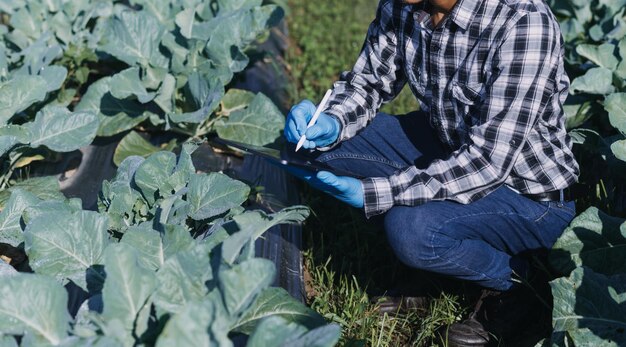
[287, 156]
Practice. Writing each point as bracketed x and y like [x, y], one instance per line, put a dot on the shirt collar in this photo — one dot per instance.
[464, 11]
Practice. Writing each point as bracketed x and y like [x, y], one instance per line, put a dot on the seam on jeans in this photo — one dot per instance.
[505, 284]
[437, 231]
[571, 210]
[484, 275]
[537, 220]
[331, 156]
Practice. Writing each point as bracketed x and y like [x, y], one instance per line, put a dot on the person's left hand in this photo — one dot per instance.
[344, 188]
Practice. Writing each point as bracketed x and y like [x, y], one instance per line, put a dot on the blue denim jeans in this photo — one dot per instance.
[479, 242]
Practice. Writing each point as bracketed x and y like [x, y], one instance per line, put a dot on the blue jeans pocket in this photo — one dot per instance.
[565, 211]
[543, 209]
[533, 210]
[555, 221]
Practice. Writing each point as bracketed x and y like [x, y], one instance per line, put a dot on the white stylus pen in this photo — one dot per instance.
[316, 115]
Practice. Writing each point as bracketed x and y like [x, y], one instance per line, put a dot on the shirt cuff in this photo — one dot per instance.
[339, 135]
[377, 196]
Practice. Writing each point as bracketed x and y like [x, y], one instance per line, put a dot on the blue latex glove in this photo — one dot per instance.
[323, 133]
[344, 188]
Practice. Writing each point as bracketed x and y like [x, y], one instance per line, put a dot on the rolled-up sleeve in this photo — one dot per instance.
[377, 76]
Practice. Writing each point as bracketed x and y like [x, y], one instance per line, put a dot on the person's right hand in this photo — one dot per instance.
[323, 133]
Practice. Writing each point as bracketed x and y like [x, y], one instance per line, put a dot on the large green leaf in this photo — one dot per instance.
[132, 37]
[133, 144]
[7, 142]
[153, 247]
[324, 336]
[185, 21]
[126, 291]
[199, 323]
[619, 149]
[199, 88]
[235, 100]
[185, 163]
[54, 76]
[228, 34]
[602, 55]
[19, 132]
[62, 131]
[64, 244]
[25, 22]
[214, 194]
[260, 123]
[571, 29]
[148, 244]
[176, 238]
[10, 228]
[51, 206]
[276, 302]
[153, 172]
[20, 93]
[275, 331]
[242, 283]
[615, 105]
[621, 68]
[165, 95]
[45, 188]
[115, 115]
[593, 239]
[578, 109]
[36, 305]
[590, 307]
[6, 270]
[598, 80]
[128, 83]
[205, 94]
[162, 10]
[182, 279]
[251, 225]
[232, 5]
[7, 341]
[127, 168]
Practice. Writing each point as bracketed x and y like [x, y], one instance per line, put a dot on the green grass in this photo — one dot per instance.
[327, 37]
[348, 261]
[341, 299]
[347, 258]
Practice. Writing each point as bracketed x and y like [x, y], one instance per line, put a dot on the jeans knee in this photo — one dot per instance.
[411, 236]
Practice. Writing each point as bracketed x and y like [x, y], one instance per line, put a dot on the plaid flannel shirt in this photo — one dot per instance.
[490, 76]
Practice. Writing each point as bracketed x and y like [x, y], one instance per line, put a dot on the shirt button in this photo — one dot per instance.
[512, 142]
[435, 48]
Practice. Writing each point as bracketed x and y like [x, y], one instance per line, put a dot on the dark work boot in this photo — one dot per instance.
[470, 332]
[400, 304]
[496, 318]
[518, 317]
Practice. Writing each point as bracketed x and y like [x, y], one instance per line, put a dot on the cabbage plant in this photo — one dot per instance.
[167, 259]
[74, 70]
[589, 298]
